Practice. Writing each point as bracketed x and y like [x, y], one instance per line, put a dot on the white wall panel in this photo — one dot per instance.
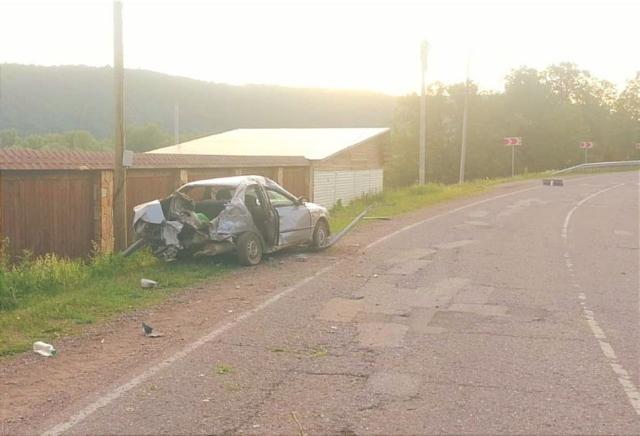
[346, 186]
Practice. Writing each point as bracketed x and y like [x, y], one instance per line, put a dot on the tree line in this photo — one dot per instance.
[139, 138]
[553, 110]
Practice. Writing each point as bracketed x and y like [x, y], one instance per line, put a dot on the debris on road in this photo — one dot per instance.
[347, 229]
[146, 283]
[147, 330]
[44, 349]
[553, 182]
[301, 258]
[384, 218]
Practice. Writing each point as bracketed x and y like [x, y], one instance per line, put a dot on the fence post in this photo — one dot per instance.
[280, 176]
[183, 178]
[105, 216]
[310, 180]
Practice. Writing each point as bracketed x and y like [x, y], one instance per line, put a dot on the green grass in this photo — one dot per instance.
[409, 199]
[222, 369]
[49, 297]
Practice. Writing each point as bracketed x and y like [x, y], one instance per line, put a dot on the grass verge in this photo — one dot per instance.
[49, 297]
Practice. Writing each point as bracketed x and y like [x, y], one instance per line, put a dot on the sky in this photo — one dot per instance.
[353, 44]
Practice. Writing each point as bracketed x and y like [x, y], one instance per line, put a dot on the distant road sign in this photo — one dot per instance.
[638, 145]
[586, 145]
[513, 140]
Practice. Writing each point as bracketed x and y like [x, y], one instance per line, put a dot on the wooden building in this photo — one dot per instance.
[344, 163]
[62, 201]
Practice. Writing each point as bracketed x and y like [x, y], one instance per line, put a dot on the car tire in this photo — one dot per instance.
[320, 235]
[249, 247]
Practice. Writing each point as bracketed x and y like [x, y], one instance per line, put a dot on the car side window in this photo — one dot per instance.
[197, 193]
[279, 200]
[251, 197]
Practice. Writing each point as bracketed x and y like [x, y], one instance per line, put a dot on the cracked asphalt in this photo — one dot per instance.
[469, 322]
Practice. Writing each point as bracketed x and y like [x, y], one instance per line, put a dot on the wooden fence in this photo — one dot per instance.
[70, 211]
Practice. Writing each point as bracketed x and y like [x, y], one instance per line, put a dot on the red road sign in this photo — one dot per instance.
[513, 140]
[586, 145]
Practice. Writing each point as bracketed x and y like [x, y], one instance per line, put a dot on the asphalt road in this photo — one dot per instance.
[517, 313]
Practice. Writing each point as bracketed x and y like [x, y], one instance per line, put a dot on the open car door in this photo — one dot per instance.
[264, 215]
[295, 218]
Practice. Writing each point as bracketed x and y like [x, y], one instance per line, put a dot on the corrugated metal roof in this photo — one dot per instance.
[312, 143]
[29, 159]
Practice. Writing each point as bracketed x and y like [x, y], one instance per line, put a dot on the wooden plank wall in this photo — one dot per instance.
[367, 155]
[209, 173]
[296, 181]
[147, 185]
[270, 173]
[48, 211]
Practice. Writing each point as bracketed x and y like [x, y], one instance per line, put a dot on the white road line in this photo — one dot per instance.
[116, 393]
[452, 211]
[609, 353]
[624, 378]
[122, 389]
[567, 219]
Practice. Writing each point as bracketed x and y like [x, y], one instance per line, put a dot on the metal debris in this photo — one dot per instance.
[147, 330]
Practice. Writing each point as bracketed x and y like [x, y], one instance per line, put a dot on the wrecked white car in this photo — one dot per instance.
[248, 215]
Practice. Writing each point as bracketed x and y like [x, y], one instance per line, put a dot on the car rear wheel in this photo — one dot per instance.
[320, 235]
[249, 249]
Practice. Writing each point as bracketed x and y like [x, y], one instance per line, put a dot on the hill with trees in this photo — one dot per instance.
[40, 100]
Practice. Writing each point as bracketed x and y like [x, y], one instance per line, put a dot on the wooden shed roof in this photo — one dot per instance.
[29, 159]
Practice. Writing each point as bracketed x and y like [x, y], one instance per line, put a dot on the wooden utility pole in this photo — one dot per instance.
[119, 174]
[465, 117]
[422, 155]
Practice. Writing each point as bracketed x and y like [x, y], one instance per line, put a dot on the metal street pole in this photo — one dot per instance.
[422, 155]
[513, 160]
[585, 154]
[176, 123]
[465, 116]
[119, 175]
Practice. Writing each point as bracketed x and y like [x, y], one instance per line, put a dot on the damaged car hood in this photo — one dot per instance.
[150, 212]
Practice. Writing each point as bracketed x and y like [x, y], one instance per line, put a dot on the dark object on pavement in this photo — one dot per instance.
[552, 182]
[147, 329]
[248, 215]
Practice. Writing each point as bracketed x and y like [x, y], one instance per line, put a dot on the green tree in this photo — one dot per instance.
[146, 137]
[8, 137]
[628, 103]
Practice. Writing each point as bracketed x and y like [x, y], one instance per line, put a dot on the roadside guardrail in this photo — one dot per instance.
[596, 165]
